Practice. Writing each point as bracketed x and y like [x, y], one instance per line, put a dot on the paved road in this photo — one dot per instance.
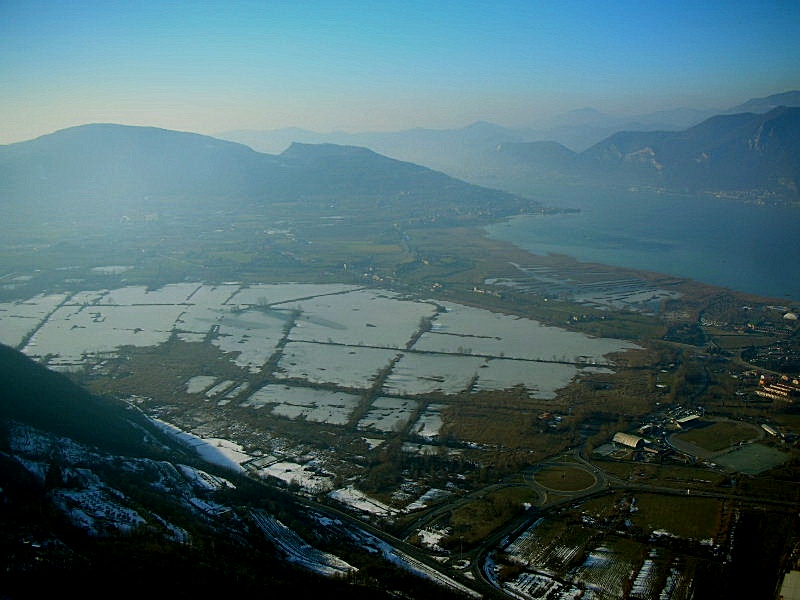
[604, 484]
[469, 568]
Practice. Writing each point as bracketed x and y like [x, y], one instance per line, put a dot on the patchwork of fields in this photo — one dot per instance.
[336, 337]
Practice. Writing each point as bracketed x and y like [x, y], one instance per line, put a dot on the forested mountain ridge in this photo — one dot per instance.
[739, 152]
[753, 156]
[117, 170]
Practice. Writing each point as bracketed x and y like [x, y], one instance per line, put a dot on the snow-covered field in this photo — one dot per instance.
[360, 318]
[388, 414]
[351, 367]
[307, 477]
[464, 329]
[353, 498]
[429, 423]
[322, 406]
[331, 334]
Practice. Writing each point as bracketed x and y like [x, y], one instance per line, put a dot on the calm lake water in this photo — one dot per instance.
[753, 249]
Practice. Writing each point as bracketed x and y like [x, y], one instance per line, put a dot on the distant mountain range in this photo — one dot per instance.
[747, 155]
[576, 129]
[449, 150]
[683, 149]
[110, 171]
[727, 153]
[113, 170]
[581, 129]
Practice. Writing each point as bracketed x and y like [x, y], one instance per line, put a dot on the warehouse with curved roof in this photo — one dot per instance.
[627, 439]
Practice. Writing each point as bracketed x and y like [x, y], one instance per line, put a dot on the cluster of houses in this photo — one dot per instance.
[783, 388]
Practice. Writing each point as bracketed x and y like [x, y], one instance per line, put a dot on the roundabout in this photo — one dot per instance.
[564, 478]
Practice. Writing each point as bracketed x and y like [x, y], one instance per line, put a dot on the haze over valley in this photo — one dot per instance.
[462, 300]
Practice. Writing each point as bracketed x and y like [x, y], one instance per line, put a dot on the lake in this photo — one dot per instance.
[748, 248]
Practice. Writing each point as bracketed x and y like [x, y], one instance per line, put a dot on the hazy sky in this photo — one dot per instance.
[380, 65]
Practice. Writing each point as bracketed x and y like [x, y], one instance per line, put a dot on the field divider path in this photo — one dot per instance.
[373, 392]
[42, 322]
[548, 361]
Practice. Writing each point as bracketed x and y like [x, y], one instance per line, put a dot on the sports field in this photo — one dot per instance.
[752, 459]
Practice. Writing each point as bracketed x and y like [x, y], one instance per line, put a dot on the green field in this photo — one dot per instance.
[720, 435]
[565, 479]
[752, 459]
[686, 517]
[474, 521]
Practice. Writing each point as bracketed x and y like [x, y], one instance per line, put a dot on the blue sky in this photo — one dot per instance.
[381, 65]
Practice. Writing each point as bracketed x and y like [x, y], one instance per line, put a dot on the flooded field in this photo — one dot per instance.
[388, 414]
[419, 374]
[346, 366]
[19, 319]
[333, 335]
[373, 318]
[430, 422]
[467, 330]
[599, 289]
[321, 406]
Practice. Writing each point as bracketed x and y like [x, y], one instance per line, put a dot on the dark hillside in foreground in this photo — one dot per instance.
[50, 401]
[83, 511]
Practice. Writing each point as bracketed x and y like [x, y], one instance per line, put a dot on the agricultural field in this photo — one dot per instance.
[389, 414]
[599, 289]
[731, 445]
[393, 405]
[552, 560]
[471, 522]
[752, 459]
[329, 380]
[565, 478]
[683, 517]
[720, 435]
